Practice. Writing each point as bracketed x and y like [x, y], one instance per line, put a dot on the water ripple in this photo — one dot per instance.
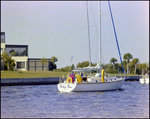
[44, 101]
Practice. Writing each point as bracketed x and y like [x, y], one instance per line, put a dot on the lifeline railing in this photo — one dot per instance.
[62, 79]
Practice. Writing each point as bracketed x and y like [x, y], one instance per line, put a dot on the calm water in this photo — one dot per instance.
[45, 101]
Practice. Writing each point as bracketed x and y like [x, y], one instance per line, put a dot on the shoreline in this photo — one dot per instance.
[44, 80]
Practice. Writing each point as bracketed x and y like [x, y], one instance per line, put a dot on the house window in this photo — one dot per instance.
[20, 65]
[21, 50]
[2, 37]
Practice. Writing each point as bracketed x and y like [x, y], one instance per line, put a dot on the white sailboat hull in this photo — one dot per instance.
[144, 80]
[90, 86]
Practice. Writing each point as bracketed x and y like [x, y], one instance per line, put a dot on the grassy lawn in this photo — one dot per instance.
[34, 74]
[31, 74]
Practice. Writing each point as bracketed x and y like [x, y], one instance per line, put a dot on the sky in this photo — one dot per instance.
[59, 28]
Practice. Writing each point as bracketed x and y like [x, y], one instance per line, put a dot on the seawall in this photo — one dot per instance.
[133, 78]
[29, 81]
[45, 80]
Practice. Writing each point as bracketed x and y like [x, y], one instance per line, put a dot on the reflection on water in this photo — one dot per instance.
[45, 101]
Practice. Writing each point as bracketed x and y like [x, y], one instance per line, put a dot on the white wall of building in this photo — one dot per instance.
[21, 59]
[2, 47]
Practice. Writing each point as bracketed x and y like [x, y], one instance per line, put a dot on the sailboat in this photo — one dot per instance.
[93, 83]
[145, 79]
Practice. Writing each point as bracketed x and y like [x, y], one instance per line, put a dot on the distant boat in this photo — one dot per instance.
[92, 83]
[144, 79]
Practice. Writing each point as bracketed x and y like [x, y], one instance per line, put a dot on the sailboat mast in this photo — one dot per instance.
[88, 35]
[99, 7]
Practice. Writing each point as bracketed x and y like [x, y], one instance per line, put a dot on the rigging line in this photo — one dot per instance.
[88, 35]
[81, 48]
[95, 28]
[116, 37]
[76, 31]
[94, 22]
[109, 67]
[92, 45]
[106, 39]
[103, 58]
[79, 34]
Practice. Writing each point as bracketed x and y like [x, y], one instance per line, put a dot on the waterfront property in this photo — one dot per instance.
[22, 61]
[21, 58]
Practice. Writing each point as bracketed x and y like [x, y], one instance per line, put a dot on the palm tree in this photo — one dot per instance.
[44, 61]
[7, 58]
[72, 67]
[124, 65]
[127, 57]
[113, 60]
[143, 67]
[131, 68]
[53, 60]
[135, 61]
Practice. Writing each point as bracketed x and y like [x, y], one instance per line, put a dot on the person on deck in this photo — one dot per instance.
[81, 74]
[72, 76]
[102, 74]
[62, 78]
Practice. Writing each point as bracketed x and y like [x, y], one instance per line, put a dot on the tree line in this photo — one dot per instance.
[130, 66]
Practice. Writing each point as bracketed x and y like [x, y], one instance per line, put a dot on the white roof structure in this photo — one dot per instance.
[87, 69]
